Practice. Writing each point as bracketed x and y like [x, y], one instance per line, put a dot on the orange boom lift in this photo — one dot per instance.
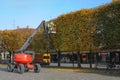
[22, 60]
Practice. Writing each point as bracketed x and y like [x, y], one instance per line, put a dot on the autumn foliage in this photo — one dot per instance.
[82, 30]
[12, 40]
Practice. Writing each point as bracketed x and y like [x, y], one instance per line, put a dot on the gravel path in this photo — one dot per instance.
[53, 74]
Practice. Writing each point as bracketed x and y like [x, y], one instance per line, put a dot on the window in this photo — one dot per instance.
[46, 57]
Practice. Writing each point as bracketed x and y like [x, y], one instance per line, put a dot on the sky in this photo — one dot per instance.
[24, 13]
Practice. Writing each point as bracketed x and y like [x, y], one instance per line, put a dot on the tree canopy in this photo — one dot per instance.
[96, 28]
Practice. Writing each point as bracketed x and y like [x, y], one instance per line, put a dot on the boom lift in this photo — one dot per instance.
[22, 59]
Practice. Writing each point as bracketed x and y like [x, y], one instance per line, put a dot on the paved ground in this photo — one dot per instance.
[54, 74]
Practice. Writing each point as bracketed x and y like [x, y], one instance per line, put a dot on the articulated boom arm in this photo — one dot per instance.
[29, 40]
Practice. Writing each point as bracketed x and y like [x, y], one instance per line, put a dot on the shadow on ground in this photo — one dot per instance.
[105, 72]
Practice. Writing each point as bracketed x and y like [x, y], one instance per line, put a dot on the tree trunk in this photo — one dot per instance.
[78, 59]
[95, 60]
[59, 55]
[90, 59]
[11, 57]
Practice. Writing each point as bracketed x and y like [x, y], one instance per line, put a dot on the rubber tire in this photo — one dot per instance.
[21, 68]
[37, 68]
[10, 67]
